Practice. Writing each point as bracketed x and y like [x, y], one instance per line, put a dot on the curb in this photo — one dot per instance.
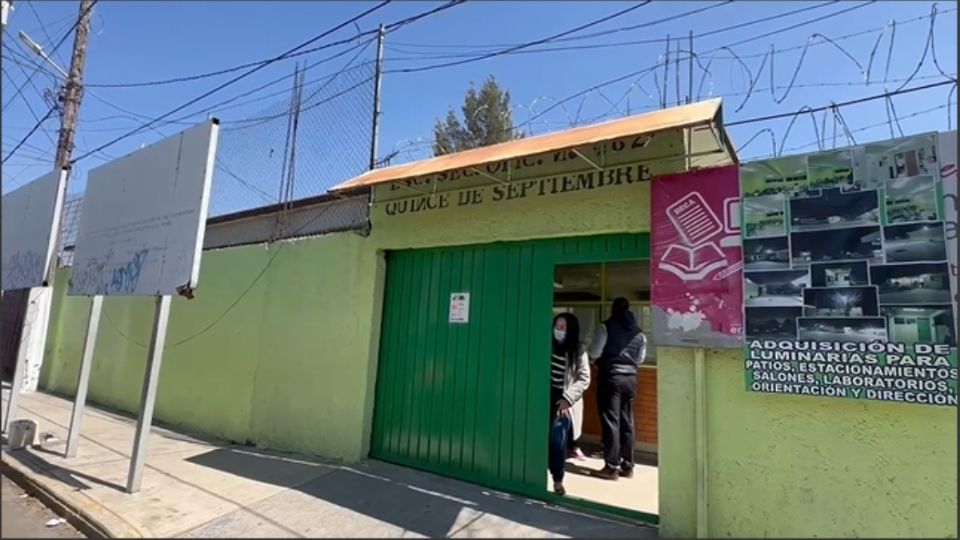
[81, 519]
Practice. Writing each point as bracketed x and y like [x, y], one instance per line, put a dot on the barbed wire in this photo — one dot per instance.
[809, 145]
[864, 66]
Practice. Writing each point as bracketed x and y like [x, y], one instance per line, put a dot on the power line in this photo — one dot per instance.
[570, 38]
[30, 133]
[43, 27]
[260, 63]
[416, 56]
[391, 27]
[235, 79]
[859, 130]
[654, 67]
[832, 106]
[630, 43]
[33, 113]
[52, 51]
[186, 78]
[633, 27]
[219, 107]
[523, 45]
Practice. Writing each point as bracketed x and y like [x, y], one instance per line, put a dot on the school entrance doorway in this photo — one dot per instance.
[587, 292]
[463, 381]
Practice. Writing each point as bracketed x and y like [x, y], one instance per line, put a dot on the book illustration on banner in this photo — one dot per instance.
[696, 259]
[700, 254]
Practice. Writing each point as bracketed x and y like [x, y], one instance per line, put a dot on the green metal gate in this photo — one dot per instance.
[470, 400]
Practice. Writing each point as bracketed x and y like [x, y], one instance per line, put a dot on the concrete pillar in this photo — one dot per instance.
[34, 338]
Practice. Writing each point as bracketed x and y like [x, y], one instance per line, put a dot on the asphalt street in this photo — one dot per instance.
[22, 516]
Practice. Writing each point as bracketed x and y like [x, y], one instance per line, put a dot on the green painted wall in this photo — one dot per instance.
[293, 365]
[609, 209]
[286, 366]
[800, 466]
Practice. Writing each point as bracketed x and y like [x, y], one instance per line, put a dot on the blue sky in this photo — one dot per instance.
[144, 41]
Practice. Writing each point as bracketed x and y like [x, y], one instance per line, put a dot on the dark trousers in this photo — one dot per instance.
[615, 394]
[559, 435]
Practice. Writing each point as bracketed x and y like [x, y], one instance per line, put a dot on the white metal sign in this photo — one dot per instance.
[31, 215]
[459, 307]
[143, 219]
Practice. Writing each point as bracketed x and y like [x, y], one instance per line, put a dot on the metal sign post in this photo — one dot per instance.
[13, 400]
[148, 394]
[83, 379]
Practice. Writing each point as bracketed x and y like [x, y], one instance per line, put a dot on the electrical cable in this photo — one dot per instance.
[522, 45]
[655, 67]
[391, 27]
[52, 51]
[233, 80]
[43, 27]
[493, 46]
[219, 107]
[29, 134]
[326, 80]
[833, 106]
[388, 28]
[622, 43]
[860, 130]
[33, 113]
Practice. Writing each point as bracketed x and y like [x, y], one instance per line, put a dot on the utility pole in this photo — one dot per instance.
[73, 89]
[377, 78]
[690, 69]
[34, 338]
[666, 74]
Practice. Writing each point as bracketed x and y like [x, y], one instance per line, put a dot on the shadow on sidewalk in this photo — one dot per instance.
[416, 501]
[59, 473]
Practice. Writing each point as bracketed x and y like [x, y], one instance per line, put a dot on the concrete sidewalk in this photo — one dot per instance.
[195, 488]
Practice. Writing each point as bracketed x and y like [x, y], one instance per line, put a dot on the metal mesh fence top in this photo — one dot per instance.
[70, 226]
[333, 133]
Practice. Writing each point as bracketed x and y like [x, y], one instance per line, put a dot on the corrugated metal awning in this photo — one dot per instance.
[703, 113]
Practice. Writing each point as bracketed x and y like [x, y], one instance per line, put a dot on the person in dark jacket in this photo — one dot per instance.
[618, 346]
[569, 379]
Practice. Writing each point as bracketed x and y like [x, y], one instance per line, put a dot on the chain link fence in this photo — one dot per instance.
[331, 128]
[297, 148]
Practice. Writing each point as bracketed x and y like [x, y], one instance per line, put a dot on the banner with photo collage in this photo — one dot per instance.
[847, 282]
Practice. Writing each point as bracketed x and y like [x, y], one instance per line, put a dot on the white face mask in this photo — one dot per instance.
[559, 335]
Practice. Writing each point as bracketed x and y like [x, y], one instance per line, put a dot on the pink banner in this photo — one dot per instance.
[697, 262]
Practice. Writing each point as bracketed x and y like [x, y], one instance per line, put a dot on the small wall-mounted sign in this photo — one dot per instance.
[459, 307]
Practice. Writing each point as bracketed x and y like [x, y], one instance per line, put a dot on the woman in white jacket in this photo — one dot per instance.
[569, 379]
